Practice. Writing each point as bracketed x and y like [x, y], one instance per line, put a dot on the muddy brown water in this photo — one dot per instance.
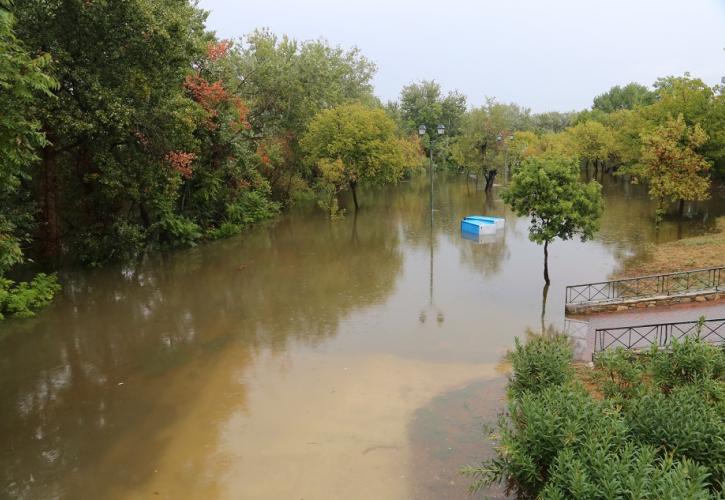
[307, 359]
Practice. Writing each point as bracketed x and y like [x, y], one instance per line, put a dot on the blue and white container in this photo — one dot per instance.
[499, 221]
[478, 226]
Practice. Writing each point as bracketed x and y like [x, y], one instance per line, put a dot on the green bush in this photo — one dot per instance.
[22, 299]
[604, 472]
[619, 373]
[225, 230]
[177, 231]
[540, 363]
[659, 432]
[251, 207]
[692, 360]
[539, 426]
[684, 422]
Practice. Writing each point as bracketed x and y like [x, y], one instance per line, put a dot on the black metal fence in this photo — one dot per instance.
[647, 286]
[644, 336]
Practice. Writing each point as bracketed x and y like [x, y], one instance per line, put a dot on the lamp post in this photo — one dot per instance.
[440, 129]
[505, 138]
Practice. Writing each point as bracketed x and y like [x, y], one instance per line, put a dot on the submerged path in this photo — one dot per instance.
[645, 316]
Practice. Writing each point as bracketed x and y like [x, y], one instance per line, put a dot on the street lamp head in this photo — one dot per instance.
[441, 129]
[499, 138]
[421, 130]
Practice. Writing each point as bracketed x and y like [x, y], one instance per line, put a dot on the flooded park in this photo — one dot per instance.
[315, 359]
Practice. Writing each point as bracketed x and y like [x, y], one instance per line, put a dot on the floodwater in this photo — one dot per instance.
[307, 359]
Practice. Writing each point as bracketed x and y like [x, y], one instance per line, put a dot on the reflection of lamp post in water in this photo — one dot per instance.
[440, 129]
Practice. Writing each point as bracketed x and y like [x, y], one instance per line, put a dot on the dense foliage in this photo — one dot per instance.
[128, 126]
[23, 81]
[650, 425]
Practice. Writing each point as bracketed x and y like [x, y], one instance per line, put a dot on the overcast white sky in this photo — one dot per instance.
[547, 55]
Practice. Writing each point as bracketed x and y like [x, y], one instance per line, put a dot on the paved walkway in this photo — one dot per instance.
[584, 339]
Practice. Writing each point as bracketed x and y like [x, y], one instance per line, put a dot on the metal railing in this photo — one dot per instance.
[645, 336]
[647, 286]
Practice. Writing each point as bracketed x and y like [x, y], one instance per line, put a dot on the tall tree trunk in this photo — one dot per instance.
[681, 209]
[546, 262]
[49, 188]
[490, 176]
[353, 185]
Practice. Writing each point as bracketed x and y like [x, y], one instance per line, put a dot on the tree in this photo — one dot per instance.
[552, 121]
[424, 104]
[671, 165]
[285, 83]
[547, 189]
[627, 97]
[106, 187]
[22, 81]
[485, 134]
[592, 142]
[352, 143]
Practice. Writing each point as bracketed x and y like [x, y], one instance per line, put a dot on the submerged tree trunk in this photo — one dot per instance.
[353, 185]
[545, 295]
[490, 176]
[546, 262]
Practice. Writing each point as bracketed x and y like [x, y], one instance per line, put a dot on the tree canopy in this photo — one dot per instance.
[671, 165]
[627, 97]
[353, 143]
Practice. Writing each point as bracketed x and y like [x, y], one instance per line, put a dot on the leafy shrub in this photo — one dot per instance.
[692, 360]
[225, 230]
[22, 299]
[541, 425]
[177, 231]
[540, 363]
[251, 207]
[603, 472]
[658, 432]
[619, 373]
[96, 245]
[684, 422]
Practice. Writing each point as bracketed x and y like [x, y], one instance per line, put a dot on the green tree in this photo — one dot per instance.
[485, 136]
[22, 81]
[592, 142]
[424, 104]
[627, 97]
[547, 189]
[106, 185]
[671, 165]
[352, 143]
[552, 121]
[286, 83]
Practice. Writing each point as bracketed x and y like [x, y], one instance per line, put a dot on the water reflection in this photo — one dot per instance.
[119, 356]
